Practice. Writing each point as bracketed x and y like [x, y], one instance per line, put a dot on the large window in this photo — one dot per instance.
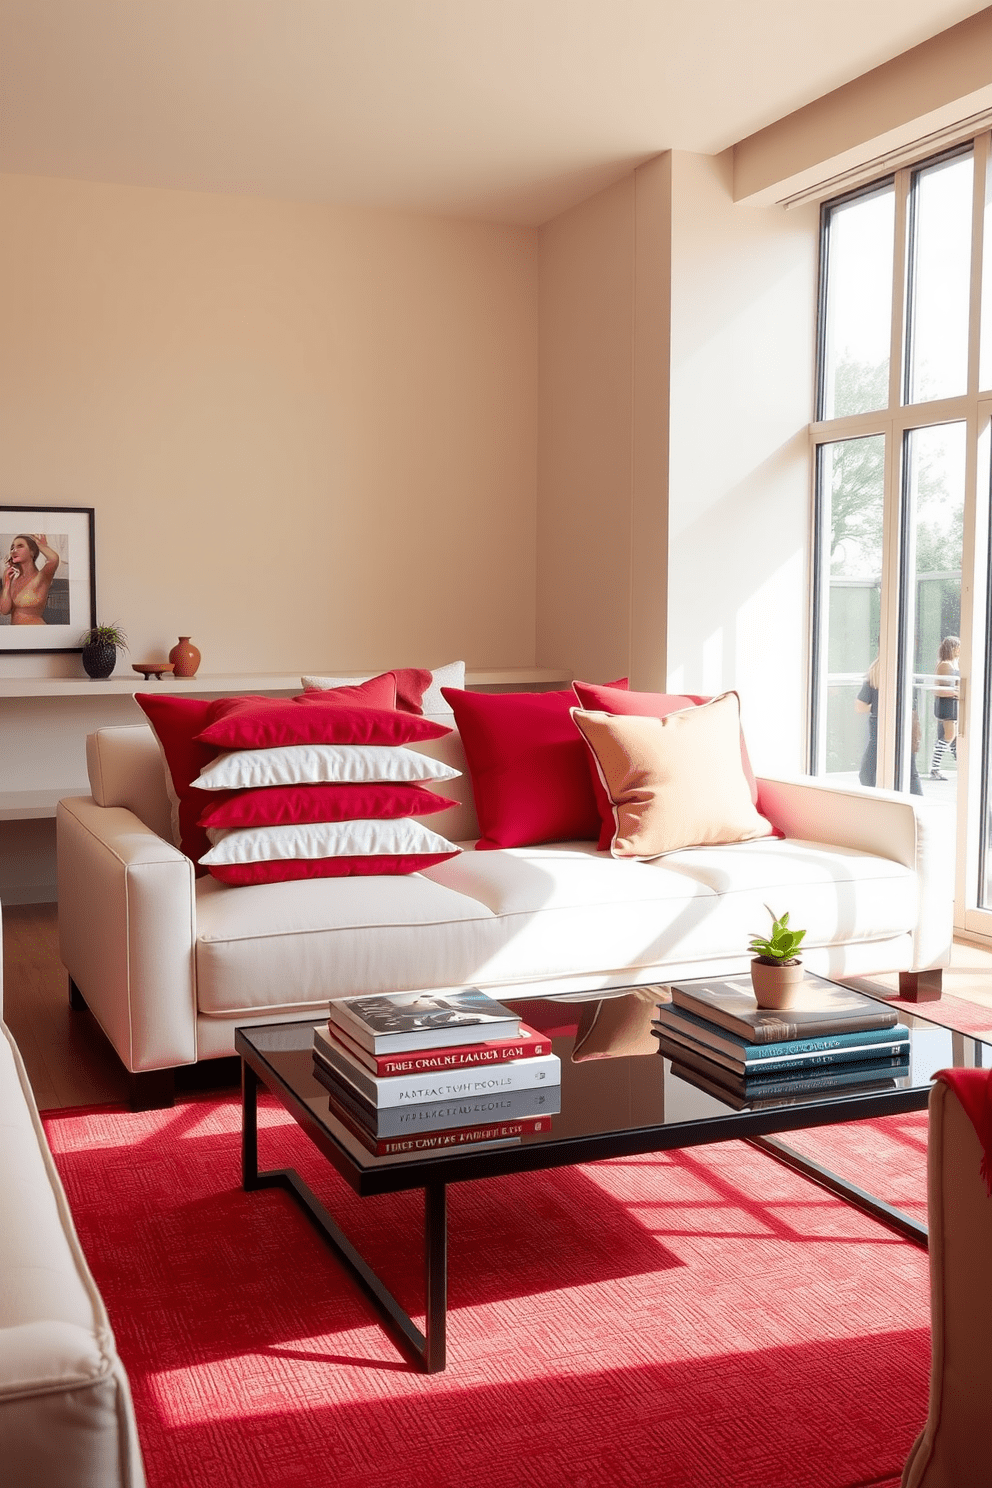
[901, 557]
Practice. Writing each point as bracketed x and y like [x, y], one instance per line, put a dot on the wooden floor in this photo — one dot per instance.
[68, 1059]
[70, 1063]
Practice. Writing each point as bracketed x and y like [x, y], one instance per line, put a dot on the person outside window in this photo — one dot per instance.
[945, 705]
[867, 702]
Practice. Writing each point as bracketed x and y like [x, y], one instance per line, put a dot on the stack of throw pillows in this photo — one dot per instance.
[322, 785]
[325, 784]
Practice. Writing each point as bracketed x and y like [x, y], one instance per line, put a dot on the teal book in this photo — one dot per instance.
[758, 1095]
[759, 1068]
[680, 1023]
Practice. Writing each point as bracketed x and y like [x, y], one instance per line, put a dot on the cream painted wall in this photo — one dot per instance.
[674, 471]
[743, 299]
[933, 86]
[604, 297]
[583, 526]
[309, 432]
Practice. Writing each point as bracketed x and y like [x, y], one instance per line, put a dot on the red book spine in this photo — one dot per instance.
[443, 1141]
[529, 1045]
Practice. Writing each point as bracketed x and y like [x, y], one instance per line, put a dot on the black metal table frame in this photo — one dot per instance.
[428, 1350]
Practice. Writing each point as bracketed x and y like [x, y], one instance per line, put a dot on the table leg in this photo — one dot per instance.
[435, 1276]
[895, 1219]
[427, 1350]
[249, 1127]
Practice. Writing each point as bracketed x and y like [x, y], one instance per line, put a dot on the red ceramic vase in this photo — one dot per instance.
[185, 658]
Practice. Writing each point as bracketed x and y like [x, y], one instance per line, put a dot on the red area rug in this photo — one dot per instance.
[950, 1012]
[702, 1318]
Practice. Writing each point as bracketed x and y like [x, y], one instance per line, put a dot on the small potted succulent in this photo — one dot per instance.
[101, 644]
[777, 970]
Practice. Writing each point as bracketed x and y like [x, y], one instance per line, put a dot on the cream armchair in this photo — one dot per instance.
[952, 1450]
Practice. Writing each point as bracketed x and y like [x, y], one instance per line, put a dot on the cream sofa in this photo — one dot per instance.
[66, 1419]
[170, 964]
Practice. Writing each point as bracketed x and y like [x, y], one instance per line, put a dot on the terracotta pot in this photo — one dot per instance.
[778, 986]
[185, 658]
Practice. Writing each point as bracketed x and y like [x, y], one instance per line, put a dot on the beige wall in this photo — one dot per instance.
[309, 433]
[604, 297]
[932, 87]
[583, 527]
[676, 391]
[743, 300]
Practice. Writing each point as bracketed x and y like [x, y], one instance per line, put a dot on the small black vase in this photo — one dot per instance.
[99, 660]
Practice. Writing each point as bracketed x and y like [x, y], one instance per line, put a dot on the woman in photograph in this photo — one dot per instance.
[945, 704]
[25, 585]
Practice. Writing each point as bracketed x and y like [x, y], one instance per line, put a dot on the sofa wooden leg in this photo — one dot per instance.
[76, 999]
[920, 986]
[153, 1090]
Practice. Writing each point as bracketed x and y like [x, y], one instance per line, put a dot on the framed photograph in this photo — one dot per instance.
[47, 577]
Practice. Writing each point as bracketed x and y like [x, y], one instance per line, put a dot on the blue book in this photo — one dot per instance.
[692, 1033]
[789, 1090]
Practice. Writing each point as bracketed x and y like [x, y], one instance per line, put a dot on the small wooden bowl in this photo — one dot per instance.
[156, 669]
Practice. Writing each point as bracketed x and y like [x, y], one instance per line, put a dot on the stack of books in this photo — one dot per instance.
[421, 1071]
[721, 1041]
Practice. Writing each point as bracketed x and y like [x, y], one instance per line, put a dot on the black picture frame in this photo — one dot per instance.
[68, 607]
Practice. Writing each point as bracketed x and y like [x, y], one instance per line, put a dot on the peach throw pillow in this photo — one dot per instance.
[676, 781]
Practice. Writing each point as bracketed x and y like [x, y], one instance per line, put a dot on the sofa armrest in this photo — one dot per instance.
[909, 830]
[127, 931]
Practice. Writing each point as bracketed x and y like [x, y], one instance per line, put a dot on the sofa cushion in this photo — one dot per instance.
[528, 767]
[249, 855]
[410, 685]
[298, 764]
[176, 721]
[527, 916]
[417, 690]
[312, 718]
[676, 781]
[620, 700]
[275, 805]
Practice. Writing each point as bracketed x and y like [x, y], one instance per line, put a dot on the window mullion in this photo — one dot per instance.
[888, 647]
[888, 638]
[900, 285]
[981, 197]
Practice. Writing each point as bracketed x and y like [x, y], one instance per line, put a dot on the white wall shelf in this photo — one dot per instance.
[43, 745]
[33, 805]
[124, 685]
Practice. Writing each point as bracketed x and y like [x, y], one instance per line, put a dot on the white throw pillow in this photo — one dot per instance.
[315, 764]
[452, 675]
[401, 836]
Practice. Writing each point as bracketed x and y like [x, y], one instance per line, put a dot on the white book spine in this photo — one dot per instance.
[464, 1084]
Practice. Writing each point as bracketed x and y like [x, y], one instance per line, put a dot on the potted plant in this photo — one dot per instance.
[777, 970]
[100, 647]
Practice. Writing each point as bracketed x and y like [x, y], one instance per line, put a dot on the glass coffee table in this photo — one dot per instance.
[609, 1107]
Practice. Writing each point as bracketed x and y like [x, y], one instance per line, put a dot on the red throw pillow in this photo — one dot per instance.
[287, 870]
[612, 699]
[375, 692]
[288, 805]
[176, 722]
[528, 766]
[411, 684]
[268, 723]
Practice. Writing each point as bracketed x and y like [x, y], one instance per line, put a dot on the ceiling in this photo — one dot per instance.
[507, 110]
